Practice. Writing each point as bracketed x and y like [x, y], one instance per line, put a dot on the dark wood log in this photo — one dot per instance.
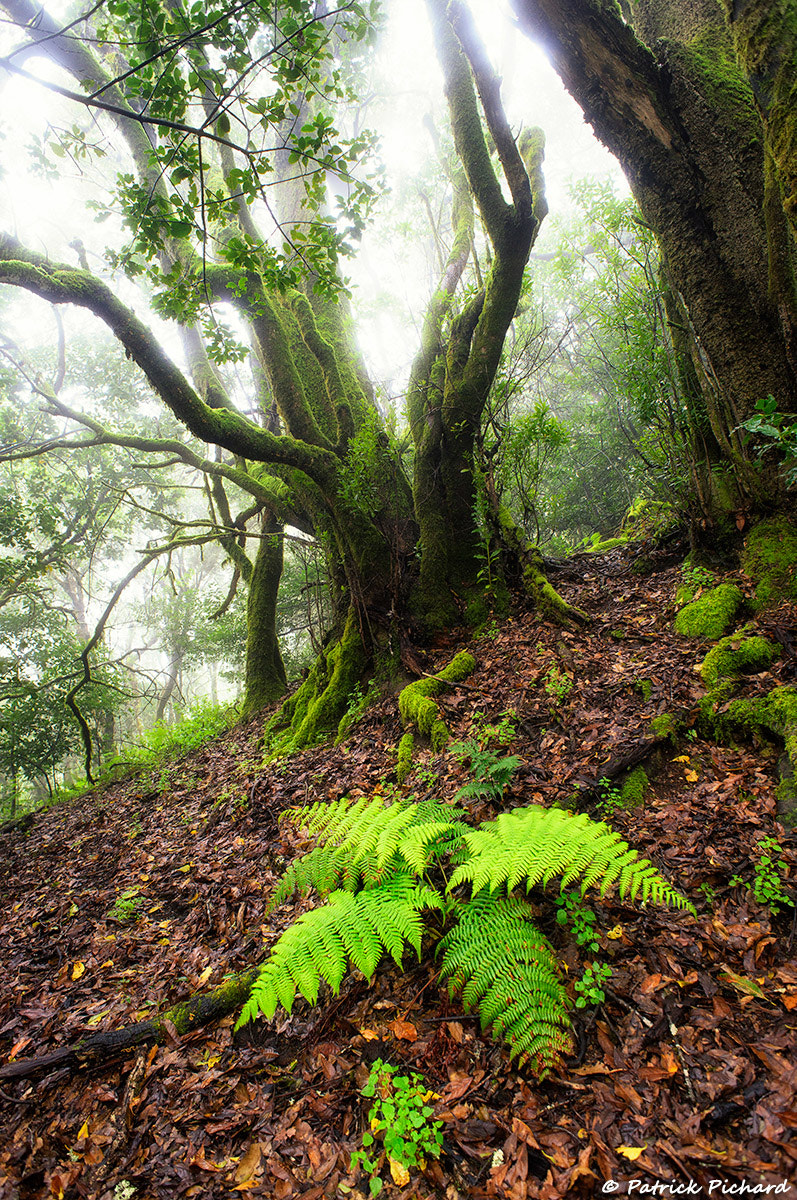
[109, 1044]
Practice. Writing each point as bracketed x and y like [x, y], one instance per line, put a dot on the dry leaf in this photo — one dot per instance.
[691, 776]
[249, 1163]
[399, 1173]
[205, 976]
[404, 1030]
[631, 1152]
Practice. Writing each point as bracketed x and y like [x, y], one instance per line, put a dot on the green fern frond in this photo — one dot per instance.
[504, 966]
[534, 844]
[349, 928]
[377, 837]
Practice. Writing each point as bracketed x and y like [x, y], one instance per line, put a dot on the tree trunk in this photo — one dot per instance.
[667, 95]
[265, 680]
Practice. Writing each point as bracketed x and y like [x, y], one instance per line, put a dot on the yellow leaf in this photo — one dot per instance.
[78, 969]
[83, 1132]
[95, 1020]
[376, 1124]
[108, 963]
[205, 976]
[187, 867]
[615, 933]
[681, 758]
[400, 1174]
[631, 1152]
[691, 776]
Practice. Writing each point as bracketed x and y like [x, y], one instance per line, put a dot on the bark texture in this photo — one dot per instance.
[702, 125]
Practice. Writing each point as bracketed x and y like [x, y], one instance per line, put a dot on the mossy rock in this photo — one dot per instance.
[735, 656]
[416, 701]
[770, 559]
[712, 614]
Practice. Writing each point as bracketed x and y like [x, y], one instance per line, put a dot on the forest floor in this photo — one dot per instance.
[684, 1078]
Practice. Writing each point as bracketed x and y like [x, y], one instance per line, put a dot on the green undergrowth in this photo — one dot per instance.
[710, 616]
[390, 871]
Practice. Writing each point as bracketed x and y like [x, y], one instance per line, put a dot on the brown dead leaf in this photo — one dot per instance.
[405, 1030]
[247, 1166]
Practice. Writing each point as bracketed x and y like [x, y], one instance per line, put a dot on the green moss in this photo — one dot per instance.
[664, 726]
[711, 615]
[775, 713]
[404, 762]
[643, 688]
[416, 701]
[632, 793]
[609, 544]
[770, 559]
[322, 700]
[735, 656]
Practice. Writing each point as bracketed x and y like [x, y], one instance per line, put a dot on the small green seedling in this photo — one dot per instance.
[557, 684]
[572, 911]
[611, 800]
[590, 985]
[126, 907]
[399, 1118]
[768, 877]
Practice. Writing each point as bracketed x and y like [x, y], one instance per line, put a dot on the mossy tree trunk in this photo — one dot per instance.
[696, 99]
[461, 343]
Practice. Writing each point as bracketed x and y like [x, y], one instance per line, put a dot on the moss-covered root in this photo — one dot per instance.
[404, 759]
[182, 1018]
[416, 701]
[546, 599]
[712, 614]
[534, 580]
[316, 708]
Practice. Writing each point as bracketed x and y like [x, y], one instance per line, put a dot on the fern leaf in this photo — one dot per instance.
[319, 945]
[501, 963]
[535, 844]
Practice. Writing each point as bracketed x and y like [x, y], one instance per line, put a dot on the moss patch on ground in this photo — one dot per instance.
[736, 656]
[710, 616]
[404, 759]
[632, 793]
[770, 559]
[417, 705]
[664, 726]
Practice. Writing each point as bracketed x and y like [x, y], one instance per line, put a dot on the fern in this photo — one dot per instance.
[501, 963]
[370, 860]
[321, 943]
[534, 844]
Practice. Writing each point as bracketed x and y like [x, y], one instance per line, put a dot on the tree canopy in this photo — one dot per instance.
[237, 177]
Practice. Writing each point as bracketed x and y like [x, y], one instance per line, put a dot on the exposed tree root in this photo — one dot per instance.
[180, 1019]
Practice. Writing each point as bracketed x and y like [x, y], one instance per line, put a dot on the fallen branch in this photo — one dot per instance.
[181, 1019]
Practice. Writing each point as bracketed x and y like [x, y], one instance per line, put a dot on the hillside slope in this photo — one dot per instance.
[150, 891]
